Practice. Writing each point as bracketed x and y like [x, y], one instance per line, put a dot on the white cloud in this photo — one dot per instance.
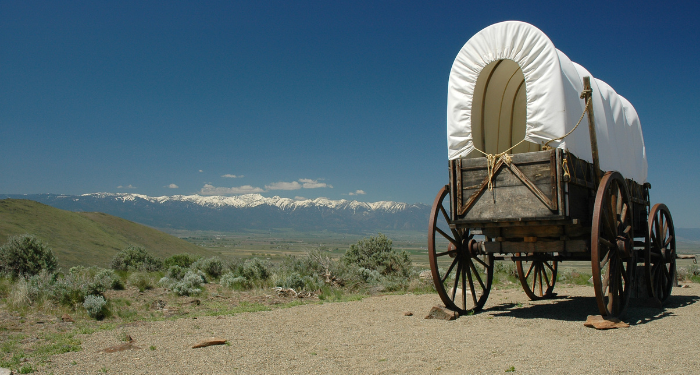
[228, 175]
[313, 184]
[200, 171]
[126, 187]
[245, 189]
[358, 192]
[284, 186]
[298, 198]
[172, 186]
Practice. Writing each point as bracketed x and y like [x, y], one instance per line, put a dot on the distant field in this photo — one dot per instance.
[277, 243]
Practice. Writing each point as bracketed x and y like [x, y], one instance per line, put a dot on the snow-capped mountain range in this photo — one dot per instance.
[249, 211]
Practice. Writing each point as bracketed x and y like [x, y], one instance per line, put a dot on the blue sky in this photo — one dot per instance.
[305, 98]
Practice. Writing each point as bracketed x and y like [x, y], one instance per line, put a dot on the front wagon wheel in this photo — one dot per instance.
[612, 254]
[462, 277]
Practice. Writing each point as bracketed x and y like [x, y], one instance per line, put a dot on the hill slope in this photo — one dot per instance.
[85, 238]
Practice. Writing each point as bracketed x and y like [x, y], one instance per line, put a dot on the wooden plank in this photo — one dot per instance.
[572, 246]
[512, 202]
[547, 200]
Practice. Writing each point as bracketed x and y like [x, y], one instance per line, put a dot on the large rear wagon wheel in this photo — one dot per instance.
[612, 255]
[661, 265]
[462, 277]
[537, 276]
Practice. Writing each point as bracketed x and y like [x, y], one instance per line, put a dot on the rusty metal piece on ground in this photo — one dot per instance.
[121, 347]
[601, 322]
[442, 313]
[209, 342]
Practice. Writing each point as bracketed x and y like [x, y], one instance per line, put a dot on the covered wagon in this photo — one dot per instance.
[546, 164]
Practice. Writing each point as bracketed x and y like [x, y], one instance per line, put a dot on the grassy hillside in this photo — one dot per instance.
[85, 238]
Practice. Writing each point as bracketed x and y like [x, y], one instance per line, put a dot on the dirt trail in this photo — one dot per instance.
[373, 336]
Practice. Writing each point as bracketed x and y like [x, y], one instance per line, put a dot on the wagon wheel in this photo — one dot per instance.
[461, 276]
[661, 264]
[612, 255]
[537, 276]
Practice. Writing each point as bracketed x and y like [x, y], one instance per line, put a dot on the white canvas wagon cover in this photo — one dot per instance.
[510, 83]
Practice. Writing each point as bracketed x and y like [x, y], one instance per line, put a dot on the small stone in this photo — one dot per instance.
[600, 322]
[209, 342]
[5, 371]
[440, 312]
[196, 302]
[685, 286]
[408, 313]
[67, 318]
[158, 305]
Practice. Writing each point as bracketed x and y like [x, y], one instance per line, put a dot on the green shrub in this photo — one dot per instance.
[255, 269]
[26, 255]
[176, 272]
[231, 281]
[294, 281]
[189, 285]
[141, 280]
[135, 258]
[183, 260]
[213, 266]
[689, 273]
[95, 306]
[376, 253]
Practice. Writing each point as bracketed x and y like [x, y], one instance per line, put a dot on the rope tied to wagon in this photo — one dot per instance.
[493, 159]
[546, 146]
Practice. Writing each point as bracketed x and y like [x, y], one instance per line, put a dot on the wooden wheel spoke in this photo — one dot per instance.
[605, 260]
[464, 288]
[534, 281]
[532, 265]
[481, 262]
[668, 241]
[547, 278]
[609, 226]
[623, 215]
[623, 273]
[447, 274]
[549, 266]
[444, 214]
[448, 252]
[477, 276]
[447, 237]
[456, 284]
[665, 227]
[471, 287]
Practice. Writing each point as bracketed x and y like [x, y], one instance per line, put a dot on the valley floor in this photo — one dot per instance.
[373, 336]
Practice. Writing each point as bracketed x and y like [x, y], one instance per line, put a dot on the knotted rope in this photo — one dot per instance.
[493, 159]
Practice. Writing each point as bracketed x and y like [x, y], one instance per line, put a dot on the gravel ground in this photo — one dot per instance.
[373, 336]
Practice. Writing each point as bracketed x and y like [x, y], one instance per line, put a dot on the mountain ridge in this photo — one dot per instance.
[249, 211]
